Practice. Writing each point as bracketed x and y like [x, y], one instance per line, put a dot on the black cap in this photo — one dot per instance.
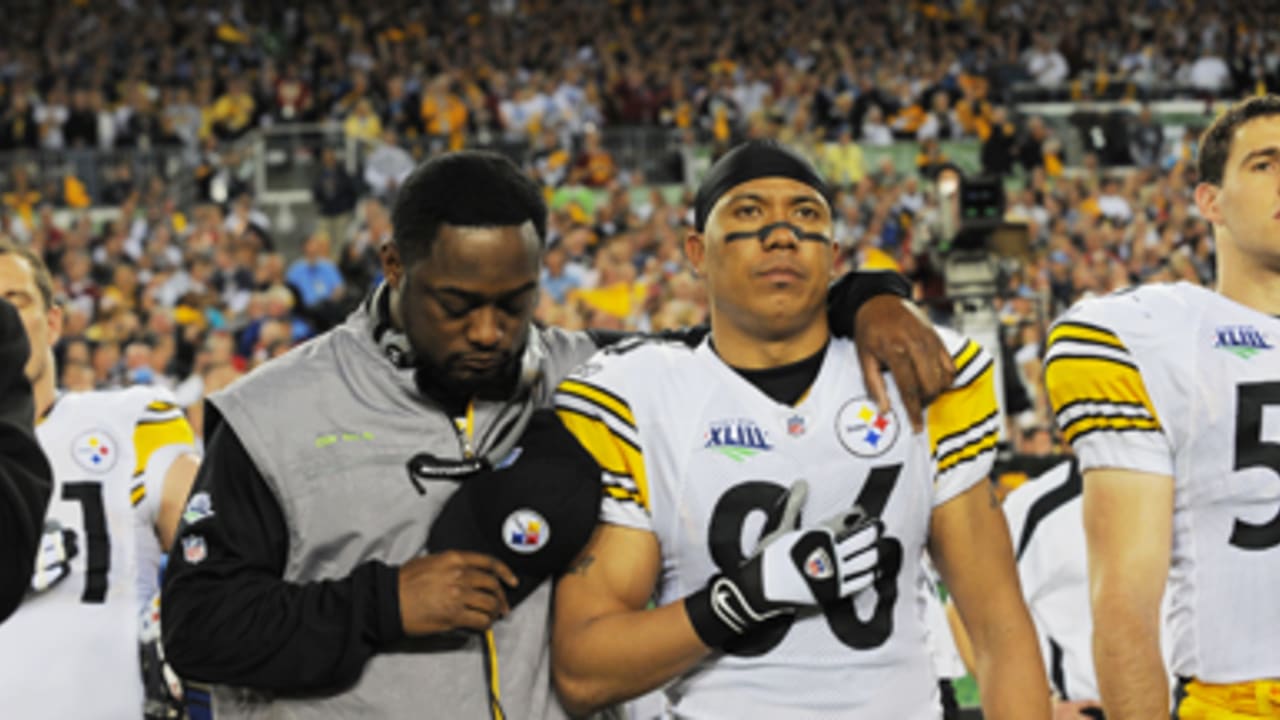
[748, 161]
[535, 511]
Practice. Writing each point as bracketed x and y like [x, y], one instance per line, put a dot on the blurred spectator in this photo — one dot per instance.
[1112, 203]
[444, 115]
[318, 281]
[20, 197]
[77, 376]
[243, 216]
[335, 194]
[997, 149]
[293, 101]
[363, 124]
[386, 167]
[551, 162]
[941, 123]
[18, 127]
[594, 166]
[359, 262]
[1045, 63]
[51, 116]
[930, 159]
[875, 132]
[1210, 73]
[1031, 149]
[314, 274]
[840, 161]
[234, 111]
[559, 278]
[81, 128]
[1146, 140]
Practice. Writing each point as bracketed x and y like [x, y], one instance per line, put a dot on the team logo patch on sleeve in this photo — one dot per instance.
[199, 507]
[864, 430]
[194, 549]
[95, 451]
[525, 531]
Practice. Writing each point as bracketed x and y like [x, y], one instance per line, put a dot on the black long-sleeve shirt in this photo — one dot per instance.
[25, 478]
[230, 618]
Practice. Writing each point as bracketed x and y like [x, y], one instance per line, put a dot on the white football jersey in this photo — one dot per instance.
[1046, 522]
[697, 455]
[1180, 381]
[1046, 526]
[72, 650]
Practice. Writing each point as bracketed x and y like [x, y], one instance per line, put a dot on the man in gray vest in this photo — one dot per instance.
[301, 584]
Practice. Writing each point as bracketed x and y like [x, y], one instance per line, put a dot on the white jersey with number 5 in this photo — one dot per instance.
[1180, 381]
[72, 650]
[699, 456]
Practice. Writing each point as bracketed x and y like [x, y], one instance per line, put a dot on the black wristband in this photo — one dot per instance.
[847, 294]
[712, 631]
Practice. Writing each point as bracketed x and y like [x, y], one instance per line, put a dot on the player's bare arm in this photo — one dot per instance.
[894, 333]
[1128, 519]
[971, 548]
[178, 480]
[600, 608]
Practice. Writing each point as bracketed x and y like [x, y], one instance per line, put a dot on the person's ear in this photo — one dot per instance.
[392, 267]
[54, 318]
[1207, 201]
[695, 249]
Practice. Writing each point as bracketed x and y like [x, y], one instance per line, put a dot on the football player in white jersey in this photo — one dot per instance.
[123, 464]
[773, 514]
[1170, 395]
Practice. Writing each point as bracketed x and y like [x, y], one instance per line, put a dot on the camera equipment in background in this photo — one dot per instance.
[978, 251]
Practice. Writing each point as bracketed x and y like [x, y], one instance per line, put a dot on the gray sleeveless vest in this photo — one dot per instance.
[331, 426]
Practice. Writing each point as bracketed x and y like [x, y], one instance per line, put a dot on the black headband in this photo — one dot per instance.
[751, 160]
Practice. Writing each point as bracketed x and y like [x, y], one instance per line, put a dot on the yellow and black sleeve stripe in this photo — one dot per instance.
[1094, 384]
[161, 425]
[964, 422]
[603, 423]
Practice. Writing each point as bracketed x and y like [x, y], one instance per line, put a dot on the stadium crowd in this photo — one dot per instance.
[191, 289]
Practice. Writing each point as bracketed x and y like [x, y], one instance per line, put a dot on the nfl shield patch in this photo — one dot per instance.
[818, 566]
[194, 549]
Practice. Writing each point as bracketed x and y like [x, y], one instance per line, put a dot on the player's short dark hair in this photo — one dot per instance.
[1215, 143]
[39, 271]
[470, 188]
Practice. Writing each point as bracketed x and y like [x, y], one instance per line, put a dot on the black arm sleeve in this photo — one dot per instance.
[229, 618]
[844, 298]
[25, 479]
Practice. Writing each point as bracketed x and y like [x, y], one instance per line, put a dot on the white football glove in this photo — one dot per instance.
[53, 559]
[816, 565]
[791, 568]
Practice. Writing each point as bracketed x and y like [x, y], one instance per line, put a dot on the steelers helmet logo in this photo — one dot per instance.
[864, 430]
[525, 531]
[95, 451]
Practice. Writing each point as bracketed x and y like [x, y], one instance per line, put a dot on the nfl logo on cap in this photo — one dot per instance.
[525, 531]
